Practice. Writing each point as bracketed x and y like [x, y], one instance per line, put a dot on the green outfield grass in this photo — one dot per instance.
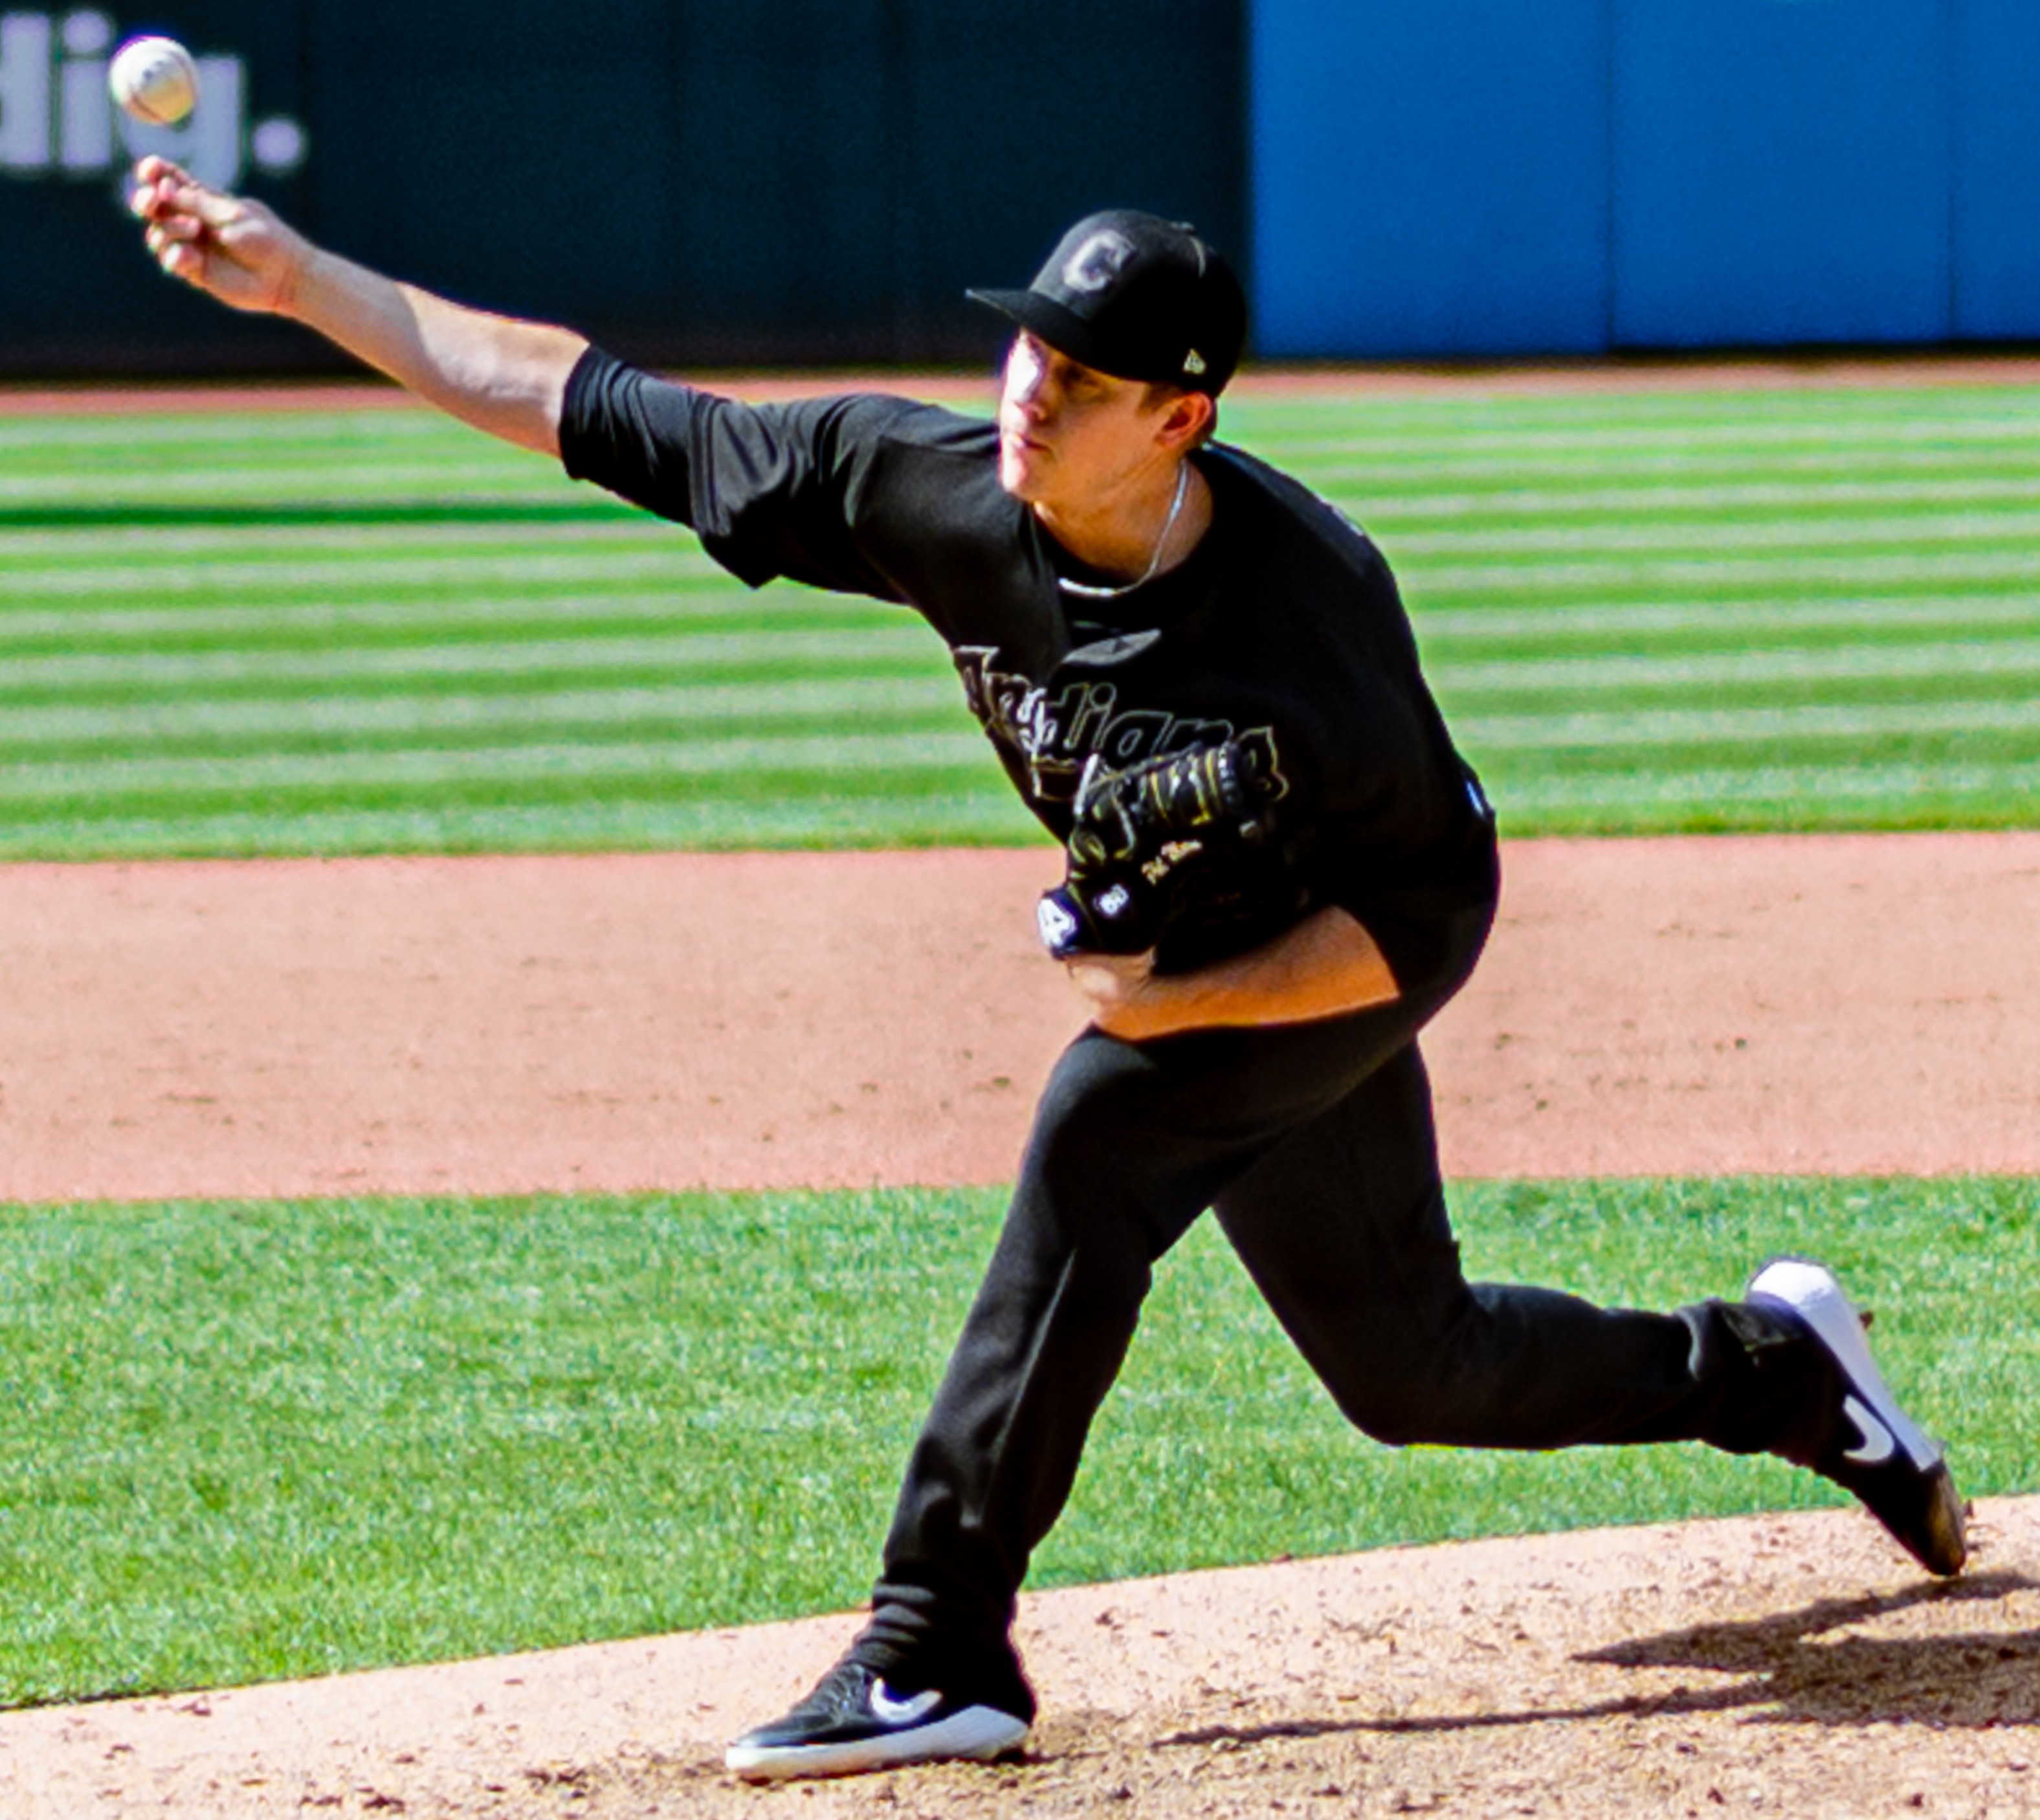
[259, 1439]
[379, 631]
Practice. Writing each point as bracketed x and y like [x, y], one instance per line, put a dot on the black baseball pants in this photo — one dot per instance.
[1314, 1145]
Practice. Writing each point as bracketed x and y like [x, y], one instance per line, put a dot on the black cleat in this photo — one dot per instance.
[1874, 1449]
[853, 1721]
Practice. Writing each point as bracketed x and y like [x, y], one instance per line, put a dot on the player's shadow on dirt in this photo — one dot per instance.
[1792, 1666]
[1799, 1668]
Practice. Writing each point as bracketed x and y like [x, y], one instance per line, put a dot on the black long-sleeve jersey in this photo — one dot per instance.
[1283, 622]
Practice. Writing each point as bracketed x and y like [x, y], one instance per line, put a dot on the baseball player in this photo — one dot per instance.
[1201, 680]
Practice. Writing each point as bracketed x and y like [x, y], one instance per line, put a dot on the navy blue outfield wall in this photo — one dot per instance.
[690, 180]
[1479, 177]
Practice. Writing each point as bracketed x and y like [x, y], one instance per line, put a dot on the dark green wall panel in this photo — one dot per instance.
[1023, 119]
[77, 291]
[729, 181]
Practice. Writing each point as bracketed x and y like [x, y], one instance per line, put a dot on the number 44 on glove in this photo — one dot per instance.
[1175, 837]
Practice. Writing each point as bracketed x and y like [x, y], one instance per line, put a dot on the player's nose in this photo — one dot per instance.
[1027, 378]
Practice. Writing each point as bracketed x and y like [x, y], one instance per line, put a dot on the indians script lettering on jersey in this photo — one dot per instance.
[1057, 734]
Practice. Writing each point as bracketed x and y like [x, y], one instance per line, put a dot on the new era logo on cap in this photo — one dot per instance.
[1136, 296]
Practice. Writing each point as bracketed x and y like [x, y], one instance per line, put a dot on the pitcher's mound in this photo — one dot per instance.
[1792, 1664]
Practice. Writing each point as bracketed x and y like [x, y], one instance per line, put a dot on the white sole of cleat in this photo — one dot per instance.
[975, 1735]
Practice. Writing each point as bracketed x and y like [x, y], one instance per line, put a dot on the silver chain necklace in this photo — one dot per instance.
[1093, 591]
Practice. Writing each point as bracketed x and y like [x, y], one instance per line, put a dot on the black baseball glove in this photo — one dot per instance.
[1179, 855]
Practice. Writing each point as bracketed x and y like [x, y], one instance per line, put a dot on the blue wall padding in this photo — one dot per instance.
[1997, 169]
[1782, 172]
[1430, 179]
[1474, 177]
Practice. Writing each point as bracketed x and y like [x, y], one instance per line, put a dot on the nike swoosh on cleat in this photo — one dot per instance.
[887, 1711]
[1876, 1445]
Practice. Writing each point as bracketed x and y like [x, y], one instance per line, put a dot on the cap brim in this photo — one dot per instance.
[1063, 329]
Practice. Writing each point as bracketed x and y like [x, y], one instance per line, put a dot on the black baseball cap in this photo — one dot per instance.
[1132, 294]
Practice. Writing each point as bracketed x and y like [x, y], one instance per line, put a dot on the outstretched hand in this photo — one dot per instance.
[228, 246]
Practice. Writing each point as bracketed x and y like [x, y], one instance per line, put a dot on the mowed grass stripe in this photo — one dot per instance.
[1415, 476]
[1802, 727]
[752, 724]
[1438, 568]
[301, 533]
[579, 793]
[710, 716]
[672, 560]
[712, 710]
[1724, 622]
[1785, 797]
[1741, 622]
[1584, 448]
[369, 429]
[815, 743]
[1921, 663]
[98, 763]
[329, 625]
[591, 810]
[255, 476]
[141, 479]
[1583, 577]
[1414, 484]
[523, 690]
[1986, 669]
[564, 586]
[1739, 500]
[734, 655]
[933, 809]
[532, 762]
[1790, 537]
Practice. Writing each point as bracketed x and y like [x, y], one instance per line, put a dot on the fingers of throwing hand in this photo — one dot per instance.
[174, 244]
[161, 200]
[162, 192]
[183, 259]
[154, 168]
[172, 230]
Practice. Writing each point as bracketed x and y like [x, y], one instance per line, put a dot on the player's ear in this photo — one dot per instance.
[1187, 421]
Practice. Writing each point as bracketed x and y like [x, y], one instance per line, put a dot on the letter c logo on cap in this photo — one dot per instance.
[1100, 259]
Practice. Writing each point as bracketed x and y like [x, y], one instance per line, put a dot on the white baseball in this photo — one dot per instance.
[155, 80]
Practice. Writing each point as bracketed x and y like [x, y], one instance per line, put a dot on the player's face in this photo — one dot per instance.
[1067, 433]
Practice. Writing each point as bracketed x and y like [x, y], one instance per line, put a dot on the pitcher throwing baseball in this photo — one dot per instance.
[1201, 680]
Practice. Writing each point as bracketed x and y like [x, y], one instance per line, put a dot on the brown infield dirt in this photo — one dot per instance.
[1858, 1005]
